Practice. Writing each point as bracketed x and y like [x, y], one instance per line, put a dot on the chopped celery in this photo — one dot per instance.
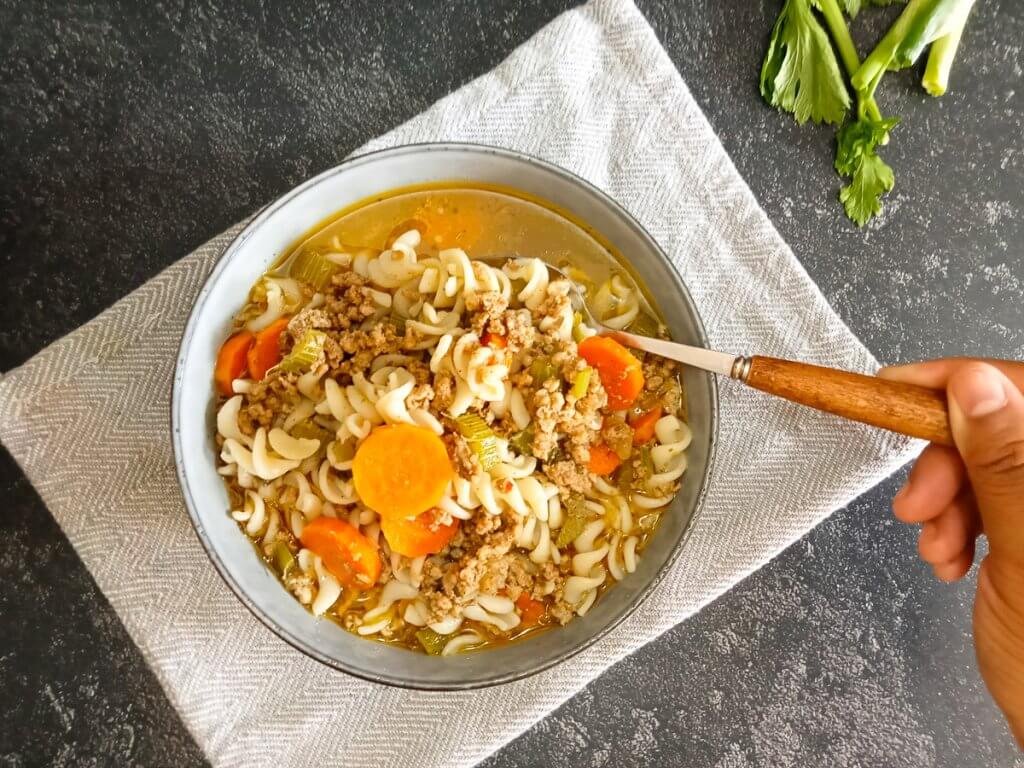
[522, 442]
[541, 370]
[575, 521]
[313, 268]
[646, 464]
[577, 327]
[305, 353]
[481, 439]
[432, 642]
[557, 454]
[626, 475]
[581, 383]
[283, 558]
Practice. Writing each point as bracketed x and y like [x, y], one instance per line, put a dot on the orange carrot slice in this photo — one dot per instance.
[494, 340]
[417, 536]
[266, 352]
[643, 425]
[620, 372]
[231, 361]
[346, 553]
[401, 470]
[530, 611]
[603, 460]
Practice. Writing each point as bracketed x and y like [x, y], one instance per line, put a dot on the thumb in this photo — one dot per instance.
[986, 414]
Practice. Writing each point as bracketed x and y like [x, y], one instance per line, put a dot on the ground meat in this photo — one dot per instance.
[561, 611]
[486, 523]
[483, 568]
[359, 348]
[554, 414]
[519, 331]
[568, 476]
[308, 319]
[548, 403]
[568, 362]
[420, 371]
[461, 455]
[444, 391]
[420, 396]
[348, 300]
[486, 311]
[300, 585]
[439, 606]
[618, 436]
[269, 401]
[661, 384]
[522, 577]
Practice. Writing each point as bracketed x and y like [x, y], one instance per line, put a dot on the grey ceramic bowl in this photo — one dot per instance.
[257, 247]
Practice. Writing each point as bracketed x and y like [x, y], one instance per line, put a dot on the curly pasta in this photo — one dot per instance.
[440, 338]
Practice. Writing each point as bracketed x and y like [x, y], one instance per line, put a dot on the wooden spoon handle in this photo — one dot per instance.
[904, 408]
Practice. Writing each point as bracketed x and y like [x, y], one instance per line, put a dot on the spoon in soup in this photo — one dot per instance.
[904, 408]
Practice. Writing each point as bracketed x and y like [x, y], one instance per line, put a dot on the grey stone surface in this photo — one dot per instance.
[133, 132]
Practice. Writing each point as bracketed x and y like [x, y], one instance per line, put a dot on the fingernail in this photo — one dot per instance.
[979, 391]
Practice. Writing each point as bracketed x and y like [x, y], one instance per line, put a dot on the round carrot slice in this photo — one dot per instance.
[530, 611]
[620, 372]
[266, 352]
[231, 361]
[643, 425]
[401, 470]
[603, 460]
[351, 557]
[416, 536]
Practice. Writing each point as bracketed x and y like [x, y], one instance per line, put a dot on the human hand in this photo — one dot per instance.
[957, 494]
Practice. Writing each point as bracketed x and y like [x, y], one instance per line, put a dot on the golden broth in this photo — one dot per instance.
[487, 222]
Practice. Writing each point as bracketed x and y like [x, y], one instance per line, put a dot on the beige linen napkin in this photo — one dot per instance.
[87, 419]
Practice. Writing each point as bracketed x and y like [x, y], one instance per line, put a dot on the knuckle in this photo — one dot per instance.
[1004, 462]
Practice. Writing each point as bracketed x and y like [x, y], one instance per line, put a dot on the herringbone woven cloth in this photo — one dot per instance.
[87, 419]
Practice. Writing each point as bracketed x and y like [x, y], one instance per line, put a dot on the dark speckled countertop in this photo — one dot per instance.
[132, 132]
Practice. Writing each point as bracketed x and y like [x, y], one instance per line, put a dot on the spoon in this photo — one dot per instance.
[904, 408]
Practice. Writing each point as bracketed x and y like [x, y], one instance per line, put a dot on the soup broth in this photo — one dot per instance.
[422, 437]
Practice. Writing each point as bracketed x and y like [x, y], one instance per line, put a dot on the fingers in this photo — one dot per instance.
[950, 534]
[956, 568]
[986, 415]
[934, 482]
[936, 373]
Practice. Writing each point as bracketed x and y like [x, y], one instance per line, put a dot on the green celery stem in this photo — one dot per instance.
[867, 77]
[847, 51]
[941, 55]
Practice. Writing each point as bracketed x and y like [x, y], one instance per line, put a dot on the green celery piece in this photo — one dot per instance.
[481, 439]
[853, 6]
[921, 23]
[305, 353]
[522, 442]
[577, 517]
[577, 327]
[800, 73]
[283, 558]
[870, 176]
[942, 53]
[581, 383]
[432, 642]
[541, 370]
[836, 24]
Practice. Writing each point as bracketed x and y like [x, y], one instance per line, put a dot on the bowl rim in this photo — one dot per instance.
[256, 221]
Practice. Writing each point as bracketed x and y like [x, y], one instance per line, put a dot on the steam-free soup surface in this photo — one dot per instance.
[423, 438]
